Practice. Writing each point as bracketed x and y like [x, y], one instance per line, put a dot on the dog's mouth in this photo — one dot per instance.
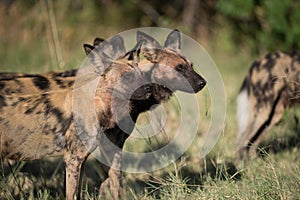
[189, 87]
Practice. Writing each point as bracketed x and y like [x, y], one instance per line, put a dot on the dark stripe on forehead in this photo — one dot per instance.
[180, 55]
[41, 82]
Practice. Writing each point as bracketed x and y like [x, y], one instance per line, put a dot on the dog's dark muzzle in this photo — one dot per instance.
[197, 82]
[200, 84]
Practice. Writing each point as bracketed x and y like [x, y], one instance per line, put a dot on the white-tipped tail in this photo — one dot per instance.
[243, 111]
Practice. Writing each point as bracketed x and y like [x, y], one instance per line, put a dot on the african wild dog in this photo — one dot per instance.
[167, 70]
[37, 120]
[270, 87]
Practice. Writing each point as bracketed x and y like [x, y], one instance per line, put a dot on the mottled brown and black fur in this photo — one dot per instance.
[167, 70]
[38, 120]
[272, 85]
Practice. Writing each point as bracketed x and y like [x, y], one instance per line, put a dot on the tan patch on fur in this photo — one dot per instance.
[273, 84]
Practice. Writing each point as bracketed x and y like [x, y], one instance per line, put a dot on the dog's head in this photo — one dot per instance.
[109, 60]
[168, 69]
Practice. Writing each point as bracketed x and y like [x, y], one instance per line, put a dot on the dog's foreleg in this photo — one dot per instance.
[112, 186]
[75, 156]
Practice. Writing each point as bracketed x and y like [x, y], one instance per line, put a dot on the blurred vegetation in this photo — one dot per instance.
[54, 31]
[266, 24]
[42, 35]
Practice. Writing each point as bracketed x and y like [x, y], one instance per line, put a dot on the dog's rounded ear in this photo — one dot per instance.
[173, 41]
[117, 47]
[113, 47]
[149, 46]
[101, 62]
[102, 54]
[147, 39]
[98, 41]
[134, 53]
[98, 58]
[88, 48]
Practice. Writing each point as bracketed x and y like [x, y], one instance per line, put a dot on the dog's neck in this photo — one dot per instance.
[160, 93]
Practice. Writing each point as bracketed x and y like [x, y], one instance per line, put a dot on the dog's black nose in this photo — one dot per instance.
[201, 83]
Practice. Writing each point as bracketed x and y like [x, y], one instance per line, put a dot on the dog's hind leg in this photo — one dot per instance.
[259, 122]
[254, 128]
[275, 117]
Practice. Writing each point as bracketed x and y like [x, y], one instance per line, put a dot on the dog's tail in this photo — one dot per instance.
[243, 106]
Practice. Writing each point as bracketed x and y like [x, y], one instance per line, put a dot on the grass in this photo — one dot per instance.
[268, 178]
[275, 174]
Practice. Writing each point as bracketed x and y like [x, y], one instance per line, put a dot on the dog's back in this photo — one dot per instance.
[35, 114]
[271, 85]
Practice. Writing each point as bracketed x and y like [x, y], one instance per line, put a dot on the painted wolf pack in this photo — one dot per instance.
[271, 86]
[48, 115]
[37, 118]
